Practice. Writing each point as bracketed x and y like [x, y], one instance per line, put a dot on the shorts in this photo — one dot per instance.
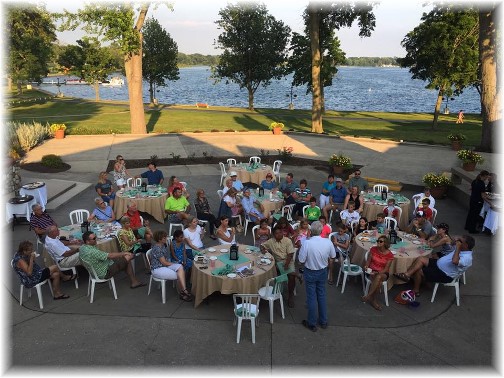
[174, 218]
[46, 273]
[386, 275]
[166, 272]
[432, 273]
[70, 261]
[120, 263]
[120, 182]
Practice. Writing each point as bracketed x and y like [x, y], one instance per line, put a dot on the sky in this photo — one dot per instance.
[192, 24]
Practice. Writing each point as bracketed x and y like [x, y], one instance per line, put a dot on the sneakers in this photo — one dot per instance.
[311, 328]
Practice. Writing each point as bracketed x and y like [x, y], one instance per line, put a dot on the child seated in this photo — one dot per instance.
[379, 223]
[326, 229]
[263, 233]
[349, 215]
[362, 226]
[302, 232]
[341, 240]
[391, 210]
[313, 212]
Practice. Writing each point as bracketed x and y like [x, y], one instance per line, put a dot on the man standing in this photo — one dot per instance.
[65, 256]
[105, 264]
[315, 253]
[177, 207]
[40, 221]
[288, 184]
[357, 180]
[154, 176]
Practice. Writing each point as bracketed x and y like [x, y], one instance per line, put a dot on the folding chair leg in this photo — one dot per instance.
[150, 284]
[282, 307]
[238, 330]
[92, 291]
[271, 310]
[163, 292]
[252, 324]
[113, 287]
[39, 294]
[434, 292]
[457, 293]
[344, 283]
[21, 295]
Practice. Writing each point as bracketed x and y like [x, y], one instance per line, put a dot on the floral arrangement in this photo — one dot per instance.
[469, 156]
[57, 126]
[340, 160]
[456, 137]
[434, 180]
[285, 153]
[274, 125]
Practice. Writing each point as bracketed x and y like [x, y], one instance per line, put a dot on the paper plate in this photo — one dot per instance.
[265, 261]
[231, 275]
[224, 250]
[393, 252]
[413, 236]
[363, 238]
[416, 242]
[248, 251]
[213, 257]
[211, 249]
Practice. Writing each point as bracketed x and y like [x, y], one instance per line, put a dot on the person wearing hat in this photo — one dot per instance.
[442, 239]
[248, 202]
[268, 183]
[337, 197]
[420, 227]
[237, 184]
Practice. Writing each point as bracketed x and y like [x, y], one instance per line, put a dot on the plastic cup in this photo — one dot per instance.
[212, 263]
[369, 270]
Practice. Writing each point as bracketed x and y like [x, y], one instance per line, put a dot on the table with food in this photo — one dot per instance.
[405, 251]
[373, 204]
[213, 271]
[255, 173]
[150, 199]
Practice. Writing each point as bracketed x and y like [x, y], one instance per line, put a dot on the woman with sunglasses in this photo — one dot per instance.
[120, 172]
[379, 260]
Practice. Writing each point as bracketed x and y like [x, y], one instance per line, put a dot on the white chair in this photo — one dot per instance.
[231, 162]
[389, 220]
[287, 212]
[378, 188]
[39, 243]
[246, 307]
[353, 225]
[37, 287]
[255, 159]
[273, 293]
[161, 281]
[72, 268]
[223, 172]
[306, 207]
[205, 222]
[173, 225]
[349, 269]
[368, 283]
[219, 193]
[93, 280]
[130, 182]
[434, 215]
[454, 283]
[276, 169]
[416, 201]
[80, 216]
[254, 229]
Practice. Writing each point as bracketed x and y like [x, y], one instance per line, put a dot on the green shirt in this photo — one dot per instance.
[174, 204]
[312, 213]
[96, 258]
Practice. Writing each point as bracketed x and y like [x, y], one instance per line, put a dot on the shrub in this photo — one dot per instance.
[52, 161]
[434, 180]
[86, 131]
[340, 160]
[285, 153]
[29, 135]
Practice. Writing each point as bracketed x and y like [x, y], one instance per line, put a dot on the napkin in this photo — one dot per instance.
[398, 245]
[224, 270]
[196, 253]
[66, 228]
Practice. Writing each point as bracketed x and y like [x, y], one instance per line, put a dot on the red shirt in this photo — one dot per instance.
[395, 212]
[326, 230]
[135, 222]
[379, 260]
[427, 214]
[178, 185]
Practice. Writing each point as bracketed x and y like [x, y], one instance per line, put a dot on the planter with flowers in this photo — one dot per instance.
[438, 184]
[276, 127]
[456, 140]
[339, 163]
[469, 159]
[58, 130]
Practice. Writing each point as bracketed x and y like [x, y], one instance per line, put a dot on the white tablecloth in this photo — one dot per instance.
[21, 209]
[39, 194]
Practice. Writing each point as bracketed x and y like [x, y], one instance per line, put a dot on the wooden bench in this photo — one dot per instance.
[394, 186]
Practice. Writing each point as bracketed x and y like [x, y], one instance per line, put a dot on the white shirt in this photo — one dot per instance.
[228, 234]
[194, 236]
[348, 217]
[315, 252]
[55, 248]
[450, 269]
[422, 196]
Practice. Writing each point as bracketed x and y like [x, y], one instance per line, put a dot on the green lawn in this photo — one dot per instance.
[105, 117]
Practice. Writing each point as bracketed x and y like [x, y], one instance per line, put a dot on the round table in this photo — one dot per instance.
[255, 175]
[402, 260]
[373, 205]
[204, 283]
[270, 205]
[154, 206]
[21, 206]
[36, 189]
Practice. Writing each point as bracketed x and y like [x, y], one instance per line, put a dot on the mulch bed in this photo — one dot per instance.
[39, 167]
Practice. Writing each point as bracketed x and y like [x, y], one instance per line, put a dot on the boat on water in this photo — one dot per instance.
[76, 82]
[116, 81]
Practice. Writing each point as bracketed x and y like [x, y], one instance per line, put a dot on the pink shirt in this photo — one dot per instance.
[326, 230]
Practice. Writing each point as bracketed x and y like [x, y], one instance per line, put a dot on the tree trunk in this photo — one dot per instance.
[439, 101]
[96, 87]
[151, 92]
[19, 88]
[322, 99]
[250, 99]
[314, 22]
[488, 59]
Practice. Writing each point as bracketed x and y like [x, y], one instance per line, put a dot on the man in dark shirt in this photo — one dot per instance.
[40, 221]
[336, 198]
[154, 176]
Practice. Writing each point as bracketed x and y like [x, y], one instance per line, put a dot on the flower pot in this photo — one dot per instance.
[277, 131]
[338, 169]
[469, 166]
[59, 134]
[456, 145]
[438, 192]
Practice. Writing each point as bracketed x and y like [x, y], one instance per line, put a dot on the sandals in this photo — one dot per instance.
[185, 296]
[139, 285]
[73, 277]
[402, 277]
[62, 296]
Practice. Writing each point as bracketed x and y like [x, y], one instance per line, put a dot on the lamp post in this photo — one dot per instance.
[292, 96]
[446, 109]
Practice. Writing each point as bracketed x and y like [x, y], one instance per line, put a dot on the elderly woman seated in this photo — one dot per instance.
[102, 213]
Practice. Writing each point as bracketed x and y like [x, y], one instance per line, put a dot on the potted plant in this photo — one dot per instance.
[58, 130]
[469, 159]
[438, 184]
[276, 127]
[339, 162]
[456, 140]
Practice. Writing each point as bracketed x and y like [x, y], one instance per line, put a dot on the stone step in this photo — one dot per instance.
[67, 195]
[394, 186]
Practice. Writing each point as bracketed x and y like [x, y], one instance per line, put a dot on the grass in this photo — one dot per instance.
[82, 116]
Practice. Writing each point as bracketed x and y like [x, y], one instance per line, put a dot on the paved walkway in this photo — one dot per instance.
[139, 331]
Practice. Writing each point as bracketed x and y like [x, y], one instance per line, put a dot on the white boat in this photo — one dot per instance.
[76, 82]
[114, 82]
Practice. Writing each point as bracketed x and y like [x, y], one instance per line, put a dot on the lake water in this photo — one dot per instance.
[388, 89]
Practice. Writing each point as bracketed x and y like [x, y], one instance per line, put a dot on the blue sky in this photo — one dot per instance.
[192, 24]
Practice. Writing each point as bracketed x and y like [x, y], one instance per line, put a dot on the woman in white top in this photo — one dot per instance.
[225, 236]
[193, 233]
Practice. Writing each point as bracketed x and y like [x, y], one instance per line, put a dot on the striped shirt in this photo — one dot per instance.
[43, 221]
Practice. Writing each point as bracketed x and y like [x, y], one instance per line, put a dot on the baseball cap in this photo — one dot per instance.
[338, 180]
[232, 173]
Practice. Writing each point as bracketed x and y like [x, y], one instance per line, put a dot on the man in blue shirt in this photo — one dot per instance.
[237, 184]
[288, 184]
[336, 198]
[154, 176]
[248, 202]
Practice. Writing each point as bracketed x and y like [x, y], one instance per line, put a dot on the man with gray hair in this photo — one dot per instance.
[40, 221]
[316, 253]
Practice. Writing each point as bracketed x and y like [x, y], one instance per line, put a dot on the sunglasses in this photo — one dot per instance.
[381, 241]
[92, 238]
[357, 174]
[101, 203]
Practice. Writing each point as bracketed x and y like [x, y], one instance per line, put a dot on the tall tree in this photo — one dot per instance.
[31, 33]
[160, 56]
[116, 22]
[254, 44]
[490, 93]
[336, 15]
[443, 50]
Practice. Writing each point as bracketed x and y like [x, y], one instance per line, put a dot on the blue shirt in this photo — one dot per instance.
[338, 195]
[153, 177]
[238, 185]
[328, 187]
[268, 185]
[292, 186]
